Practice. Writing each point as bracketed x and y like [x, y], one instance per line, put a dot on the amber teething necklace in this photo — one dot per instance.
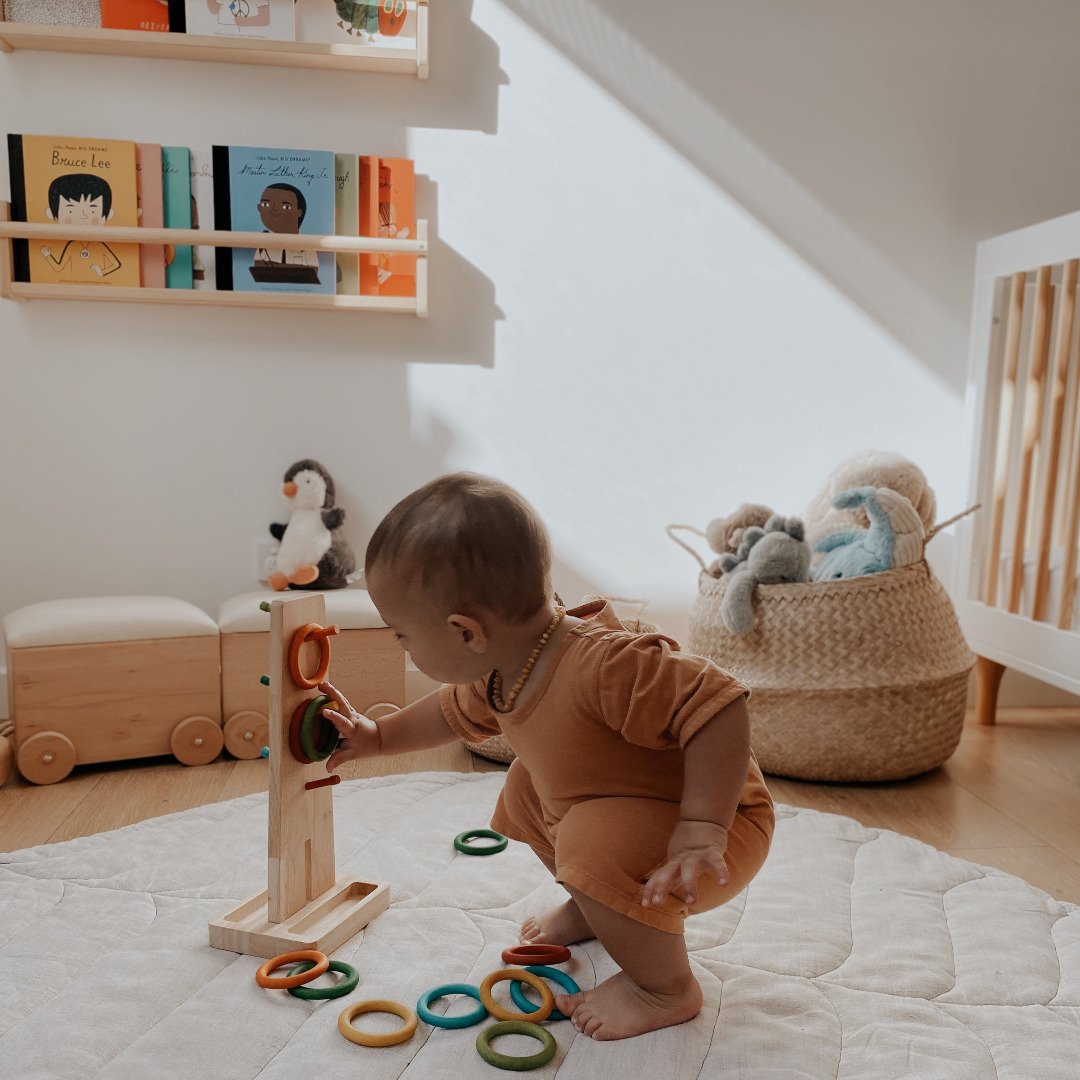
[494, 686]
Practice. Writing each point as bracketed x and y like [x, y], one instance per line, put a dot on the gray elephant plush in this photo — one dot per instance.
[770, 556]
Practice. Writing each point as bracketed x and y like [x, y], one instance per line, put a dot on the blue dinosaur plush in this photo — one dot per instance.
[895, 536]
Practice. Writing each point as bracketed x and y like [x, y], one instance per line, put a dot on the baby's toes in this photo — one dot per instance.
[568, 1003]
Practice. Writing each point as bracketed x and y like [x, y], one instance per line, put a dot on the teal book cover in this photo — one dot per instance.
[176, 187]
[276, 192]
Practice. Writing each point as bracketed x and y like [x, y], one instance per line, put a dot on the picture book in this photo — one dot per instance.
[268, 19]
[135, 14]
[85, 183]
[67, 13]
[347, 220]
[258, 189]
[388, 23]
[176, 195]
[151, 212]
[389, 182]
[203, 261]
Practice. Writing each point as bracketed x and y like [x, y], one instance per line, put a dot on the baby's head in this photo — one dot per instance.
[457, 565]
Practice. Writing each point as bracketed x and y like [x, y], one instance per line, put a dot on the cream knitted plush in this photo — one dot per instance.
[868, 468]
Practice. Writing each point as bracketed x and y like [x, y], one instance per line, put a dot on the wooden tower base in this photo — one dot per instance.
[324, 924]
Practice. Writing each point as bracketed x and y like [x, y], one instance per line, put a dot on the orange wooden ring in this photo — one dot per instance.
[536, 954]
[547, 998]
[284, 982]
[311, 632]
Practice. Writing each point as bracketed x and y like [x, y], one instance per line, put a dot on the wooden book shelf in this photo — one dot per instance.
[167, 46]
[21, 290]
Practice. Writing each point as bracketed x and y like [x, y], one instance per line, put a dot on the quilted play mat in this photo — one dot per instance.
[856, 953]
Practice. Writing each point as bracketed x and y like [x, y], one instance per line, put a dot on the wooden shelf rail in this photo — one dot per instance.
[21, 230]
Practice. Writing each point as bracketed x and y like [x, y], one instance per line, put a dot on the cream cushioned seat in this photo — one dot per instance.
[93, 619]
[350, 609]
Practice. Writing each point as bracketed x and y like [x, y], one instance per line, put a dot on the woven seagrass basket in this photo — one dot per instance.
[858, 679]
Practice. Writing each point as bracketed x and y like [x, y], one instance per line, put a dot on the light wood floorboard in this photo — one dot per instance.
[1009, 797]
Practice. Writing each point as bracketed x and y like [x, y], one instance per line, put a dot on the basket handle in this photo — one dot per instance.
[670, 530]
[951, 521]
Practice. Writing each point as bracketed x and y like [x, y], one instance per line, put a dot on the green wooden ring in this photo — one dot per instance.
[312, 717]
[507, 1061]
[316, 993]
[462, 845]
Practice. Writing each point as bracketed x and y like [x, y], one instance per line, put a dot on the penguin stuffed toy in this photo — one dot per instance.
[312, 554]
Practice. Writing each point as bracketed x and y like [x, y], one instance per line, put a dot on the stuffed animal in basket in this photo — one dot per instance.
[771, 556]
[313, 554]
[895, 536]
[725, 534]
[874, 469]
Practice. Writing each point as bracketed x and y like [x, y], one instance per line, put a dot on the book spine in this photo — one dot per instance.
[223, 256]
[20, 249]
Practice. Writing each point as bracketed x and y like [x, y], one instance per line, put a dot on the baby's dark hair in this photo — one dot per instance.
[76, 186]
[473, 542]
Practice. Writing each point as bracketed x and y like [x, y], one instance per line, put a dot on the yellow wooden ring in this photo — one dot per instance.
[284, 982]
[344, 1023]
[547, 999]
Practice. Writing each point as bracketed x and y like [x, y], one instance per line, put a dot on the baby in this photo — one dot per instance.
[633, 783]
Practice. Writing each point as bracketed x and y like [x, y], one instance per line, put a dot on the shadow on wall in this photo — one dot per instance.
[880, 142]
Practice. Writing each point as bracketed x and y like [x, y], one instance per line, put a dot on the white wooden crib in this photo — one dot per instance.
[1016, 585]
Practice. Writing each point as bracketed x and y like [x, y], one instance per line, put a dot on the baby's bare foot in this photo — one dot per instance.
[620, 1009]
[563, 925]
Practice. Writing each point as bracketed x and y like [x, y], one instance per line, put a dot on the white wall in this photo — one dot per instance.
[676, 266]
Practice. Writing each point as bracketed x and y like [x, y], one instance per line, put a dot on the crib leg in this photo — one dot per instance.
[987, 680]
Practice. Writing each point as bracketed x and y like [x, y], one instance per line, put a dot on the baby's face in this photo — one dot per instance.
[436, 647]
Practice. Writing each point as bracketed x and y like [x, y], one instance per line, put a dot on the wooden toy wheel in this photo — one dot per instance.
[246, 733]
[197, 740]
[46, 757]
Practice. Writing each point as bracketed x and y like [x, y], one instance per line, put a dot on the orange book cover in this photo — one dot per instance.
[151, 211]
[86, 183]
[397, 219]
[135, 14]
[369, 223]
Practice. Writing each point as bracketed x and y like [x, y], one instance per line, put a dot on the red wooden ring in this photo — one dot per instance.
[284, 982]
[308, 632]
[294, 733]
[536, 954]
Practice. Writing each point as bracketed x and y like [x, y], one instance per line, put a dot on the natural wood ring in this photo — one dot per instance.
[311, 632]
[284, 982]
[392, 1038]
[547, 999]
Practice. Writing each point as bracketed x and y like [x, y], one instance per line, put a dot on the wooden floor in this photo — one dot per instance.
[1009, 797]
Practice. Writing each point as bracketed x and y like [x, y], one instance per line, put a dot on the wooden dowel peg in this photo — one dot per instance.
[264, 679]
[265, 606]
[329, 781]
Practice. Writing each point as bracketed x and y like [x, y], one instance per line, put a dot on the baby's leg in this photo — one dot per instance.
[605, 851]
[655, 988]
[519, 816]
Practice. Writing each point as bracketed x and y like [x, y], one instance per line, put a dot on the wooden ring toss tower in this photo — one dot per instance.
[304, 905]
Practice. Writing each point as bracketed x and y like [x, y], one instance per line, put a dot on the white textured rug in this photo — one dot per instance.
[856, 953]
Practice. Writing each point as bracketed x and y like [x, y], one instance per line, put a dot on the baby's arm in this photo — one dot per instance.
[416, 727]
[714, 767]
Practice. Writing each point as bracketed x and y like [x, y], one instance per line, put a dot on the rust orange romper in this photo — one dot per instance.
[596, 787]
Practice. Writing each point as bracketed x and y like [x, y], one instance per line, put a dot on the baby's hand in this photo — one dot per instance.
[359, 735]
[695, 848]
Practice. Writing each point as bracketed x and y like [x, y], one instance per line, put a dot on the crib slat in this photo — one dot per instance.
[1034, 391]
[1052, 443]
[1013, 320]
[1072, 524]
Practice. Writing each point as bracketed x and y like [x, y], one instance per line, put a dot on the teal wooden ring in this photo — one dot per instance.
[423, 1006]
[517, 989]
[507, 1061]
[316, 993]
[461, 842]
[312, 717]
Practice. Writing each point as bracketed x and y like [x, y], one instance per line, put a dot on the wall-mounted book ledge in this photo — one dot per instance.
[169, 46]
[337, 245]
